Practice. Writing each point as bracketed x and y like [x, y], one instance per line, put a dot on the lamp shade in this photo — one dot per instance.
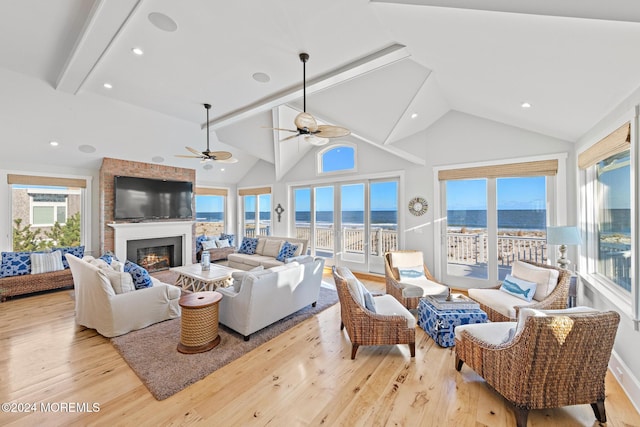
[565, 235]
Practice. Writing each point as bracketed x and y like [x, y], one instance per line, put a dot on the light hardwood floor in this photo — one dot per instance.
[303, 377]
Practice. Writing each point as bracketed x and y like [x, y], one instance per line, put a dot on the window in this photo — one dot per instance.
[494, 215]
[607, 214]
[256, 211]
[337, 158]
[210, 211]
[47, 212]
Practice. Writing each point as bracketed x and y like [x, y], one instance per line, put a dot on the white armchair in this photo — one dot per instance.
[99, 307]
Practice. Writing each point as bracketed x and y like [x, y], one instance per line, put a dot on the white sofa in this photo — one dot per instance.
[99, 307]
[266, 253]
[260, 298]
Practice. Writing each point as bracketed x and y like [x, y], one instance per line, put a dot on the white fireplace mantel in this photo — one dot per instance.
[123, 232]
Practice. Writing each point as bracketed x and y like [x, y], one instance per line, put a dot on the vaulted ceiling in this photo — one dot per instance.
[373, 65]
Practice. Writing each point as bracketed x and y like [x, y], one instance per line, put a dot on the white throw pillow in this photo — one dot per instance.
[414, 272]
[525, 313]
[518, 287]
[209, 244]
[117, 265]
[223, 243]
[545, 278]
[121, 282]
[46, 262]
[272, 247]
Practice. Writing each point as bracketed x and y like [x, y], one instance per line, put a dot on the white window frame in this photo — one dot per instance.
[556, 210]
[628, 304]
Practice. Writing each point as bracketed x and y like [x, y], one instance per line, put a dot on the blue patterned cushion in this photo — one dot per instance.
[286, 251]
[15, 264]
[199, 241]
[518, 288]
[248, 246]
[230, 237]
[141, 278]
[77, 251]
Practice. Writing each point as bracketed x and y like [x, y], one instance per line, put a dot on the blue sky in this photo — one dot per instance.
[512, 194]
[384, 197]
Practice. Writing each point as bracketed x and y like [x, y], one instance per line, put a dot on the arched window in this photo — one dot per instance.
[337, 158]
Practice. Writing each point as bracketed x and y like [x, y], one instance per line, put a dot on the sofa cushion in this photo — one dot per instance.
[287, 250]
[248, 245]
[46, 262]
[388, 305]
[15, 264]
[260, 246]
[518, 287]
[545, 278]
[272, 248]
[120, 281]
[525, 313]
[421, 286]
[495, 333]
[269, 262]
[209, 244]
[238, 277]
[406, 259]
[141, 278]
[77, 251]
[499, 301]
[230, 237]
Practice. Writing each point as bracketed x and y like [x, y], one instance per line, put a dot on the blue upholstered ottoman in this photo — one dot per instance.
[439, 323]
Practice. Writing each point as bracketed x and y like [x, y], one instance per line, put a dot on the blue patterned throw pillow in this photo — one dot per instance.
[518, 287]
[15, 264]
[199, 241]
[248, 246]
[229, 237]
[141, 278]
[286, 251]
[77, 251]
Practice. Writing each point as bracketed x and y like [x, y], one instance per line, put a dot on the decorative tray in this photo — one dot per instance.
[457, 302]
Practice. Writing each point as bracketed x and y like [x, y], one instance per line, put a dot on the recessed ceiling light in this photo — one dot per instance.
[108, 86]
[261, 77]
[207, 166]
[137, 51]
[525, 105]
[53, 143]
[414, 115]
[162, 22]
[157, 159]
[221, 169]
[87, 148]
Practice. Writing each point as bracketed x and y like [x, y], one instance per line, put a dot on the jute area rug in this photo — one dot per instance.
[152, 353]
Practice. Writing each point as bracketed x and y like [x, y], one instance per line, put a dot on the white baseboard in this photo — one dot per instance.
[627, 380]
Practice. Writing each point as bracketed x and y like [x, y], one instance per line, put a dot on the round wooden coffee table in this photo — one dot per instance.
[199, 322]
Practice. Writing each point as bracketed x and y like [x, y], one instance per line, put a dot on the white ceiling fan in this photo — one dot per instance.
[306, 124]
[208, 155]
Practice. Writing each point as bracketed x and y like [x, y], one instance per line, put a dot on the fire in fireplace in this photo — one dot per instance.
[156, 258]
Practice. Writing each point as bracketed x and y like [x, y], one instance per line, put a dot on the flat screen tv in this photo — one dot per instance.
[146, 199]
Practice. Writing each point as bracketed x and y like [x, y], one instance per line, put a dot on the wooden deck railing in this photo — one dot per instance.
[471, 248]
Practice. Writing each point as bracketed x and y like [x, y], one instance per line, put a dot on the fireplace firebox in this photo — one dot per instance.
[156, 254]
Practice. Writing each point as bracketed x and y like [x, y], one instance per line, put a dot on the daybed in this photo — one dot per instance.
[260, 298]
[265, 252]
[216, 252]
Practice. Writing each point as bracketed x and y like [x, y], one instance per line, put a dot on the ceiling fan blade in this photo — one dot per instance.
[229, 160]
[284, 130]
[219, 155]
[189, 157]
[289, 137]
[194, 151]
[328, 131]
[306, 121]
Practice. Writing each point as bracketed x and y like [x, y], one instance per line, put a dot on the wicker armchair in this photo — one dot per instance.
[555, 361]
[399, 290]
[556, 300]
[365, 327]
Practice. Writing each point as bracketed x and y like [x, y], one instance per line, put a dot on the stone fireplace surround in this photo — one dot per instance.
[112, 233]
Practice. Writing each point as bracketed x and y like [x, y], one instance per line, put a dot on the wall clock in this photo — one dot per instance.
[418, 206]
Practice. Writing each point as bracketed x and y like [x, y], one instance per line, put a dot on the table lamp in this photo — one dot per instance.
[563, 236]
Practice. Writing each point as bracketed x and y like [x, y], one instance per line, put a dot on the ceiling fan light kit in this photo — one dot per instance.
[208, 155]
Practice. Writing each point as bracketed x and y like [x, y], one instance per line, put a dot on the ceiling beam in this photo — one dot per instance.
[611, 10]
[381, 58]
[104, 23]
